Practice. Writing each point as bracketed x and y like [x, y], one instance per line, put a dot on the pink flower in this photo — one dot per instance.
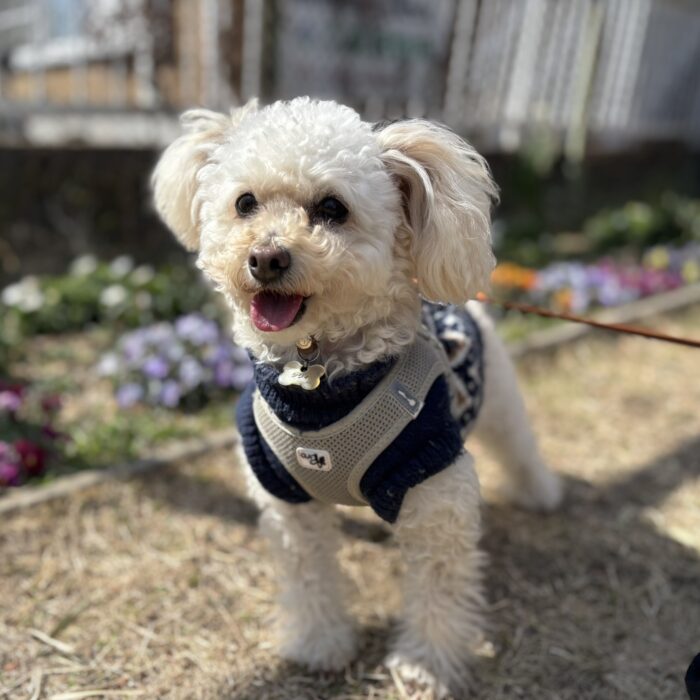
[10, 474]
[10, 401]
[32, 456]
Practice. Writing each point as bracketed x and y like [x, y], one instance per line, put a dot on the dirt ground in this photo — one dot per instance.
[160, 587]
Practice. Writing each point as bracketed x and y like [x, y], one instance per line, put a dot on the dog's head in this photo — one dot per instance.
[313, 222]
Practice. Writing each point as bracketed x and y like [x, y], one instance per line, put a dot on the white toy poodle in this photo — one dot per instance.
[327, 236]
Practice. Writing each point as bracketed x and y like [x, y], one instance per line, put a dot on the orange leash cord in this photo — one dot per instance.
[617, 327]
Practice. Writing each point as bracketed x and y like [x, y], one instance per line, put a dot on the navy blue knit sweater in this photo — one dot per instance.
[427, 445]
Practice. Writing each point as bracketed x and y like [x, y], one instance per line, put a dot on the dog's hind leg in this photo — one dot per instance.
[438, 531]
[314, 628]
[504, 428]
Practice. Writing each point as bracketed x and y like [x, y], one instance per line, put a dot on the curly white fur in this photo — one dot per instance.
[419, 202]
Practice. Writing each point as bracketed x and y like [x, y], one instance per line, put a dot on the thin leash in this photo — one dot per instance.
[616, 327]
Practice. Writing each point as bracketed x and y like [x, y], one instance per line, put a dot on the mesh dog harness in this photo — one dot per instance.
[329, 463]
[344, 442]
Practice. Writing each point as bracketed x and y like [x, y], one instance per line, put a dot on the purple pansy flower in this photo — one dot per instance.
[191, 372]
[170, 393]
[133, 346]
[222, 374]
[155, 367]
[241, 375]
[197, 329]
[129, 394]
[163, 363]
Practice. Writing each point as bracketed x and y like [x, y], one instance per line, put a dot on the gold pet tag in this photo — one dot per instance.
[295, 374]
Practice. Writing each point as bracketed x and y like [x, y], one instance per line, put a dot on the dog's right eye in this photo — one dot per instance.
[331, 209]
[246, 204]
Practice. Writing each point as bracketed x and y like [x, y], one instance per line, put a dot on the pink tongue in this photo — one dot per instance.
[274, 312]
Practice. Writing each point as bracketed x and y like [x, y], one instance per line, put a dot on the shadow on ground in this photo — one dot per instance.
[591, 602]
[201, 496]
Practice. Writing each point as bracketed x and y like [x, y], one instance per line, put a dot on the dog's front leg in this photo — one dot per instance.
[438, 531]
[314, 628]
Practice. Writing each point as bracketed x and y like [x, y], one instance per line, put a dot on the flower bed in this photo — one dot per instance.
[116, 294]
[578, 287]
[186, 363]
[175, 358]
[95, 430]
[29, 440]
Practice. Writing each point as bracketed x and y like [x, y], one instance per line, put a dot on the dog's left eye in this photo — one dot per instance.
[246, 204]
[331, 209]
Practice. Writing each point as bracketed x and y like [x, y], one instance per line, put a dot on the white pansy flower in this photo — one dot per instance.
[26, 295]
[108, 365]
[121, 266]
[143, 274]
[12, 294]
[113, 295]
[83, 266]
[32, 301]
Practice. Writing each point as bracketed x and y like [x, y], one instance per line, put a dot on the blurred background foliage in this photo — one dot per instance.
[116, 294]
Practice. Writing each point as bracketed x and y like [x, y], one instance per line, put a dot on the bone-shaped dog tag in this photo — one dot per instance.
[410, 403]
[295, 374]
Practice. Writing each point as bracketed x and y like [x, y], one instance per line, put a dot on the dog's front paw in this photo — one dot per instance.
[319, 648]
[543, 491]
[413, 678]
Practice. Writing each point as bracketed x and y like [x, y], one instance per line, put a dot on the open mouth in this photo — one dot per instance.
[272, 311]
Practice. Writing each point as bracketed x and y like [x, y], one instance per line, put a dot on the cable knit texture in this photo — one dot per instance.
[426, 445]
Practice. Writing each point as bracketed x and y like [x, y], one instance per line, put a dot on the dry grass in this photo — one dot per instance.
[161, 588]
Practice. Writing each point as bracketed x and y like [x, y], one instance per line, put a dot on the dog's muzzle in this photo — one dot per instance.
[268, 263]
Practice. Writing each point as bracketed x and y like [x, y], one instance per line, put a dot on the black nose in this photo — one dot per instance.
[268, 263]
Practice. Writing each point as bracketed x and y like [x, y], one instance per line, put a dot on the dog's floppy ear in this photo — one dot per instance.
[448, 192]
[174, 179]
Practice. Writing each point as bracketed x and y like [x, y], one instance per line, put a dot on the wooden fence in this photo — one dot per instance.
[601, 74]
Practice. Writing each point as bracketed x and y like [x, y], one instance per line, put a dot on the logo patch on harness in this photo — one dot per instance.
[406, 398]
[318, 460]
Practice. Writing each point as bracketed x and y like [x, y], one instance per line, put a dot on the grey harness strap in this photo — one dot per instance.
[330, 463]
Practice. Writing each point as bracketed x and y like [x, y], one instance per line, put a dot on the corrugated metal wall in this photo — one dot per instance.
[618, 71]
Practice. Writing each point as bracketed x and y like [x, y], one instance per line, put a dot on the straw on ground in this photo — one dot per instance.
[160, 586]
